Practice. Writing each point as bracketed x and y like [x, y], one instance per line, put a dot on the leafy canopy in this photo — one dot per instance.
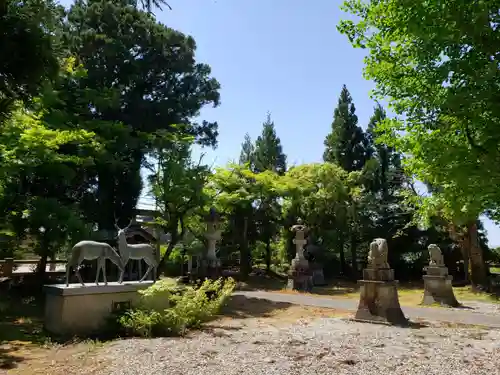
[437, 64]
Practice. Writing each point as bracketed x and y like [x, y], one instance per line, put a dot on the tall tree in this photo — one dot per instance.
[388, 176]
[42, 172]
[439, 69]
[247, 151]
[268, 155]
[29, 49]
[346, 145]
[177, 186]
[155, 88]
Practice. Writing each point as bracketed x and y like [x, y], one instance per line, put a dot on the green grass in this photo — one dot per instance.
[495, 270]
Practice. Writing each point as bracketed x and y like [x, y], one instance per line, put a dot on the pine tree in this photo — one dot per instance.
[347, 144]
[247, 151]
[268, 150]
[389, 174]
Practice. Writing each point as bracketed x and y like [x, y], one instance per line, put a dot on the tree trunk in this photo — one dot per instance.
[44, 254]
[268, 254]
[342, 259]
[464, 248]
[354, 260]
[245, 266]
[479, 276]
[174, 240]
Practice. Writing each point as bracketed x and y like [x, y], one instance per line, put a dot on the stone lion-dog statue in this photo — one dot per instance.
[377, 256]
[435, 256]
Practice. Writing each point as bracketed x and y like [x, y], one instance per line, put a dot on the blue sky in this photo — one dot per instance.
[282, 56]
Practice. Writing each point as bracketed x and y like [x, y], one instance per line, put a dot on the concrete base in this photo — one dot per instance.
[318, 277]
[302, 283]
[379, 303]
[439, 289]
[83, 310]
[317, 274]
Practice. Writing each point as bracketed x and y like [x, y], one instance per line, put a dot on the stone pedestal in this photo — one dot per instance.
[212, 268]
[318, 277]
[83, 310]
[378, 301]
[438, 287]
[300, 276]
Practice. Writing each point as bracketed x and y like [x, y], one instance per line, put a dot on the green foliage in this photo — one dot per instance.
[177, 186]
[247, 151]
[29, 49]
[167, 310]
[434, 63]
[346, 145]
[268, 154]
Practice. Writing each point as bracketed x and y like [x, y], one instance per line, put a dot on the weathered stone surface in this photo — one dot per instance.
[318, 277]
[83, 310]
[378, 299]
[300, 274]
[379, 303]
[437, 283]
[378, 274]
[439, 289]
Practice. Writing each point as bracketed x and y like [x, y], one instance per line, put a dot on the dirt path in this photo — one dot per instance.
[461, 315]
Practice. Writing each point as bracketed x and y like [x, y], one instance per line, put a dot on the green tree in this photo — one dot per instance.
[268, 154]
[346, 145]
[320, 194]
[151, 4]
[152, 81]
[437, 67]
[177, 187]
[389, 175]
[40, 174]
[247, 151]
[29, 49]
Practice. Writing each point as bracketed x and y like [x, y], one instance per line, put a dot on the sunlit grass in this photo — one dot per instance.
[407, 296]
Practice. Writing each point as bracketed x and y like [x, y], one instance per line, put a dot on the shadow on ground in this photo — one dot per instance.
[8, 359]
[242, 307]
[21, 325]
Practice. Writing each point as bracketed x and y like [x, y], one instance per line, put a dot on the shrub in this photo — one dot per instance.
[169, 309]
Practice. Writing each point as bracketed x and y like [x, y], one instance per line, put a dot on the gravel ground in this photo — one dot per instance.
[319, 346]
[481, 307]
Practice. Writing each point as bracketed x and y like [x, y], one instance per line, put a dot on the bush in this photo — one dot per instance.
[169, 309]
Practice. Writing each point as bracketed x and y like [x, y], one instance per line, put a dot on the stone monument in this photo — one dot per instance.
[211, 263]
[437, 282]
[313, 256]
[79, 309]
[300, 274]
[379, 302]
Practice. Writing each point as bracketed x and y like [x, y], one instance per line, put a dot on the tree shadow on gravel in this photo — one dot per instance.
[242, 307]
[8, 359]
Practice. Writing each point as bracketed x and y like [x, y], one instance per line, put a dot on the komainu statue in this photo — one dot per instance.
[377, 256]
[435, 256]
